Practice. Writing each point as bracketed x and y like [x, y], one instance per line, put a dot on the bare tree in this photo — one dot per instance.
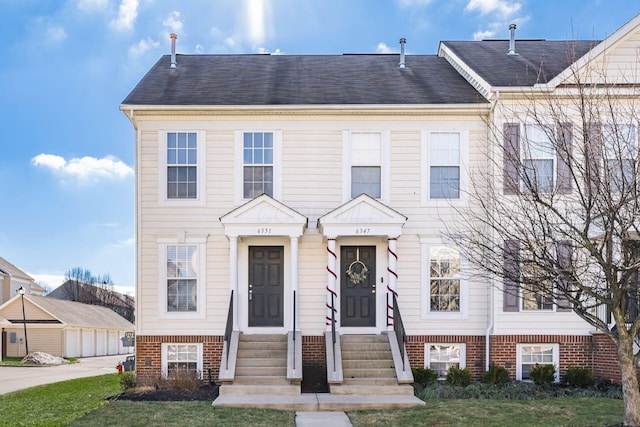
[82, 286]
[555, 214]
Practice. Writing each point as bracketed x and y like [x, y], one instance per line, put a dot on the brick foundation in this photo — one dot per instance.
[606, 359]
[474, 350]
[149, 354]
[314, 364]
[575, 350]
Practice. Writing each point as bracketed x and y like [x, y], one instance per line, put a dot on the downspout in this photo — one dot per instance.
[491, 165]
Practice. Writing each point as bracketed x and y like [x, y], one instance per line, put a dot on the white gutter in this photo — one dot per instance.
[306, 107]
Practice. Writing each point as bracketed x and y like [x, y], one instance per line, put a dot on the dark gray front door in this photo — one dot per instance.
[266, 285]
[357, 286]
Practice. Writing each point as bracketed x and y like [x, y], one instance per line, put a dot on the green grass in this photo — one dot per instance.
[84, 402]
[57, 404]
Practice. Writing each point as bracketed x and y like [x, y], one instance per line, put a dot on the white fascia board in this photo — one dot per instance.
[466, 71]
[619, 35]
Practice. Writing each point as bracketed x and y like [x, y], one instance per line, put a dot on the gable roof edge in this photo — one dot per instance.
[597, 51]
[465, 71]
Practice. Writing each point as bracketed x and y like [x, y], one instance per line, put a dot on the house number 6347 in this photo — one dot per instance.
[363, 230]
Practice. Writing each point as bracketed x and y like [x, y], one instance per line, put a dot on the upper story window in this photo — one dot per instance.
[366, 164]
[444, 165]
[536, 291]
[444, 279]
[620, 154]
[182, 169]
[258, 159]
[538, 158]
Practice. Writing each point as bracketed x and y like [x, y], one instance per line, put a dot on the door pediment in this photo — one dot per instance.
[362, 216]
[264, 216]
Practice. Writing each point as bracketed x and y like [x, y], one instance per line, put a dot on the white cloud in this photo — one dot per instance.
[55, 34]
[229, 41]
[481, 35]
[127, 14]
[85, 169]
[383, 48]
[173, 22]
[142, 46]
[199, 48]
[125, 243]
[51, 281]
[255, 10]
[504, 7]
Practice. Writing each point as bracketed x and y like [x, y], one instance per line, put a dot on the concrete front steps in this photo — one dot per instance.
[261, 367]
[369, 382]
[367, 368]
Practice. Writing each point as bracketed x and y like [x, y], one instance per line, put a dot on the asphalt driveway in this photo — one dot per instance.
[14, 378]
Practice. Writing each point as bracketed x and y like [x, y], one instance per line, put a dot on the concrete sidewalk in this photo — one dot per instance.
[14, 378]
[322, 419]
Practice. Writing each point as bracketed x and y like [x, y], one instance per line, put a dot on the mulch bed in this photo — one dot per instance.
[207, 393]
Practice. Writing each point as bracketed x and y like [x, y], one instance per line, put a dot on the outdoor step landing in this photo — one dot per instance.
[365, 389]
[253, 389]
[262, 337]
[318, 402]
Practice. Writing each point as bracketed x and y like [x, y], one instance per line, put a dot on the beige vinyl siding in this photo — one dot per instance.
[405, 168]
[45, 339]
[313, 283]
[619, 64]
[14, 311]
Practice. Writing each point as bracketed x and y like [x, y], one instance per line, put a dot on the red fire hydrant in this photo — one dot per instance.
[119, 368]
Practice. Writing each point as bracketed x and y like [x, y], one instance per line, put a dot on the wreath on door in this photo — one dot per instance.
[357, 271]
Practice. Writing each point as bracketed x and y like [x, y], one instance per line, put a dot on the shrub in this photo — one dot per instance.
[457, 376]
[127, 380]
[579, 377]
[496, 375]
[424, 376]
[543, 374]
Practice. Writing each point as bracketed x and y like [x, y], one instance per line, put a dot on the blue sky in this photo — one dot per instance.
[66, 169]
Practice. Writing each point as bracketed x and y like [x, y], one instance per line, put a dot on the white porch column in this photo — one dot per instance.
[233, 277]
[392, 277]
[332, 278]
[295, 287]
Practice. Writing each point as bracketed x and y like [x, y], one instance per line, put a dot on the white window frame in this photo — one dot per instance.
[200, 243]
[427, 354]
[239, 163]
[425, 245]
[556, 358]
[200, 199]
[165, 358]
[521, 292]
[632, 149]
[525, 154]
[385, 153]
[426, 137]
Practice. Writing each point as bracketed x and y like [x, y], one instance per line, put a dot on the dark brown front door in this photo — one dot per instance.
[357, 286]
[266, 285]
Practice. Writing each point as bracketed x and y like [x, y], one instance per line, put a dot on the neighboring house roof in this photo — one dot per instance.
[74, 313]
[12, 270]
[4, 322]
[72, 289]
[536, 61]
[257, 80]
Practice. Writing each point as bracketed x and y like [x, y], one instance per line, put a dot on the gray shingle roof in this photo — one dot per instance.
[537, 61]
[78, 314]
[256, 80]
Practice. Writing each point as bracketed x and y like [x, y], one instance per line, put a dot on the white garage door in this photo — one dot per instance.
[72, 343]
[112, 343]
[88, 343]
[101, 343]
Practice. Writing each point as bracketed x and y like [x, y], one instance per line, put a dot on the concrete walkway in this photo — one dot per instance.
[322, 419]
[14, 378]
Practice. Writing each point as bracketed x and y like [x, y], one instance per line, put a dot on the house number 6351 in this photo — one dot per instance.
[264, 230]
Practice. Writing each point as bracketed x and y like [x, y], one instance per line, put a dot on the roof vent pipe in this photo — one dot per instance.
[173, 49]
[512, 40]
[402, 43]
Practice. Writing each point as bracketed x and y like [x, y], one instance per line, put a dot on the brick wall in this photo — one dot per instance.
[605, 359]
[474, 350]
[149, 354]
[575, 350]
[314, 364]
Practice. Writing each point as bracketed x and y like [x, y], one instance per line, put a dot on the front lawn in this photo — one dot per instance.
[85, 402]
